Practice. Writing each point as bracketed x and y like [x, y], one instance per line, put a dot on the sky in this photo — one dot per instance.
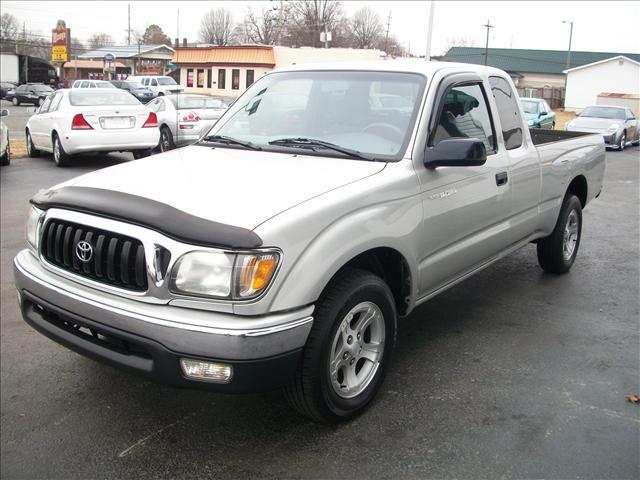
[603, 26]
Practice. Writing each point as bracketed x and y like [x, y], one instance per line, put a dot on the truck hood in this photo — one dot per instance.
[243, 188]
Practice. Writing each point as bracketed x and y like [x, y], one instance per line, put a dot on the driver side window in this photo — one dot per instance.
[45, 106]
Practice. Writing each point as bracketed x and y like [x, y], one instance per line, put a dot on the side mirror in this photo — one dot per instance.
[4, 112]
[456, 152]
[542, 114]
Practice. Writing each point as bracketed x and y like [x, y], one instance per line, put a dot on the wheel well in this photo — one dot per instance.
[391, 266]
[578, 187]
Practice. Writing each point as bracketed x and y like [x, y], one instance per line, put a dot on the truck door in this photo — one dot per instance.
[465, 208]
[524, 162]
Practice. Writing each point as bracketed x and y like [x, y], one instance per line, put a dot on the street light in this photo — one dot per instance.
[564, 103]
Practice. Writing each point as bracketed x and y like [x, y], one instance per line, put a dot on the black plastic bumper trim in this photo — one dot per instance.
[150, 358]
[158, 216]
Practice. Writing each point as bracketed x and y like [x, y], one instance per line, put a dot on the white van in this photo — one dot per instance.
[92, 84]
[157, 84]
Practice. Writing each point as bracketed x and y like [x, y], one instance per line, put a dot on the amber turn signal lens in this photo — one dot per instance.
[256, 271]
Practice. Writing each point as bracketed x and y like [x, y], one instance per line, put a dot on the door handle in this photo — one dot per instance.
[501, 178]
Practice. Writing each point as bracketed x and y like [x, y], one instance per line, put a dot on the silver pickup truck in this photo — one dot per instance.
[280, 250]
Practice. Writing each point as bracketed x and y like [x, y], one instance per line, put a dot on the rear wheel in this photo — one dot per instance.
[32, 151]
[166, 140]
[348, 350]
[557, 252]
[15, 101]
[6, 157]
[141, 153]
[40, 101]
[61, 157]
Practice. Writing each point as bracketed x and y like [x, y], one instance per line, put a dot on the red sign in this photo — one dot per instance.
[60, 34]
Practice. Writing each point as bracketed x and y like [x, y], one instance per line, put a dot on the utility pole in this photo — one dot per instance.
[178, 27]
[488, 26]
[432, 6]
[25, 51]
[386, 38]
[566, 75]
[129, 24]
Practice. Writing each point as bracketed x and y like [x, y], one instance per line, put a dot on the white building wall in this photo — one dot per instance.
[614, 76]
[286, 56]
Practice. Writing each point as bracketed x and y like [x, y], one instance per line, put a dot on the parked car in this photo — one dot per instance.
[143, 94]
[283, 247]
[82, 120]
[617, 125]
[33, 93]
[183, 119]
[5, 87]
[5, 148]
[92, 84]
[159, 85]
[538, 113]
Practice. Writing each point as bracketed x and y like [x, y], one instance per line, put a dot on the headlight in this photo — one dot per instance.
[224, 275]
[529, 122]
[32, 226]
[613, 128]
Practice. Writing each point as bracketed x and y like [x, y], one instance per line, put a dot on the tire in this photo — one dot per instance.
[6, 158]
[553, 126]
[314, 392]
[166, 140]
[32, 151]
[40, 102]
[141, 153]
[60, 157]
[15, 101]
[161, 94]
[558, 251]
[623, 141]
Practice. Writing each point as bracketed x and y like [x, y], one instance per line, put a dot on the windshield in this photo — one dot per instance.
[603, 112]
[166, 81]
[42, 88]
[369, 112]
[82, 97]
[530, 107]
[184, 102]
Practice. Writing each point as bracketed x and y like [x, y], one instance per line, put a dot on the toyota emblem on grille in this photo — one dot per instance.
[84, 251]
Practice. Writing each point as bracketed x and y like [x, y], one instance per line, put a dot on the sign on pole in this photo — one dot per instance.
[60, 37]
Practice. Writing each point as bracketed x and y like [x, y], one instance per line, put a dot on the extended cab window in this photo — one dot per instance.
[464, 114]
[508, 112]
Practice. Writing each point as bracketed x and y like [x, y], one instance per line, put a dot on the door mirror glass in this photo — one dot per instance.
[456, 152]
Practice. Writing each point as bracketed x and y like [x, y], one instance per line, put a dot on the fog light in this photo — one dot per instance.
[207, 371]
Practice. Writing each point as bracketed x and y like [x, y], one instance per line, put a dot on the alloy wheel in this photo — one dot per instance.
[570, 237]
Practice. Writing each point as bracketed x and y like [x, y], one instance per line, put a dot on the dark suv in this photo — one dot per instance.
[34, 93]
[139, 91]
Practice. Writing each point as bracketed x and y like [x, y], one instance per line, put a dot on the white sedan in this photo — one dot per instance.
[82, 120]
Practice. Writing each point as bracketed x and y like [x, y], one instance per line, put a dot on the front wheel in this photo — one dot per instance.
[348, 350]
[557, 252]
[40, 101]
[32, 151]
[141, 153]
[15, 101]
[623, 141]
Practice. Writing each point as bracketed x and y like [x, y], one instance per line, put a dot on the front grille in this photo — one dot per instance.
[115, 259]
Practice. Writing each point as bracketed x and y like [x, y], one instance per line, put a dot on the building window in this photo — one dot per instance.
[209, 73]
[200, 78]
[221, 78]
[250, 74]
[190, 77]
[235, 79]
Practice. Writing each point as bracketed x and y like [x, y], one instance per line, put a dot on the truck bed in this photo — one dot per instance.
[541, 136]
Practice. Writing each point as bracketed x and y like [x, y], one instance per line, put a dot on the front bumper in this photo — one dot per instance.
[149, 339]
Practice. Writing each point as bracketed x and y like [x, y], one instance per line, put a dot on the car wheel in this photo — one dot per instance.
[6, 157]
[60, 157]
[15, 101]
[40, 101]
[553, 126]
[557, 252]
[348, 349]
[166, 140]
[141, 153]
[161, 94]
[32, 151]
[623, 141]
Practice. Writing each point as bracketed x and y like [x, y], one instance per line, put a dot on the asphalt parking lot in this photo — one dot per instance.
[17, 118]
[512, 374]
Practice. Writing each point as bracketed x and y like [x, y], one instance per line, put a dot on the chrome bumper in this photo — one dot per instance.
[182, 330]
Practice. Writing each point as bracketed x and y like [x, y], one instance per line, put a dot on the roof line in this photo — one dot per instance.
[601, 61]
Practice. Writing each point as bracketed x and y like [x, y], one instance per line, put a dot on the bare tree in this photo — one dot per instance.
[366, 28]
[264, 27]
[216, 27]
[460, 41]
[99, 40]
[9, 27]
[309, 18]
[77, 47]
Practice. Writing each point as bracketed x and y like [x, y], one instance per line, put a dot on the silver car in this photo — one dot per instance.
[183, 119]
[5, 149]
[618, 125]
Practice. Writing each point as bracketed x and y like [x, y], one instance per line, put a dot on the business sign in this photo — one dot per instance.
[109, 63]
[60, 38]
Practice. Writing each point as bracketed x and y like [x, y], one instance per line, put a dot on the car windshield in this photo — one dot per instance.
[603, 112]
[42, 88]
[166, 81]
[82, 97]
[367, 112]
[184, 102]
[530, 107]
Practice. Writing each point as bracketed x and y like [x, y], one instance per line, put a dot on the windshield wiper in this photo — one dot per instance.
[312, 143]
[230, 141]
